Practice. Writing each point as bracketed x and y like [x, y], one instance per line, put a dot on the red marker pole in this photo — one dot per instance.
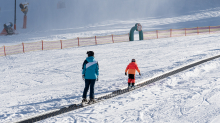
[23, 46]
[95, 41]
[25, 22]
[4, 51]
[61, 44]
[112, 38]
[42, 45]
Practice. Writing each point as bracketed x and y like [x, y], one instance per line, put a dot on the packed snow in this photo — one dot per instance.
[36, 82]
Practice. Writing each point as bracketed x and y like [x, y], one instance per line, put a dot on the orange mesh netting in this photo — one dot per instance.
[85, 41]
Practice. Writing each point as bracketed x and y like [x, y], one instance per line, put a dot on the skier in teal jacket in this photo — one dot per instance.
[90, 72]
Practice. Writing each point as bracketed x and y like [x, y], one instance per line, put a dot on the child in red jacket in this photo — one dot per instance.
[131, 69]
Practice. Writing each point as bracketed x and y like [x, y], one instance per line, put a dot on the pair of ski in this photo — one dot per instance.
[88, 103]
[133, 87]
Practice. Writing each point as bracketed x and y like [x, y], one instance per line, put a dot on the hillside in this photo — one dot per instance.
[36, 82]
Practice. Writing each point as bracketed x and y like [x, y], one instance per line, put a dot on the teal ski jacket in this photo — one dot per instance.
[90, 68]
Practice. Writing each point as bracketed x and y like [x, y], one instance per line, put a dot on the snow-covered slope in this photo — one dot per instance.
[33, 82]
[36, 82]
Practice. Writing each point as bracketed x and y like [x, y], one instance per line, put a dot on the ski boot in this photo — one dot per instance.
[84, 100]
[91, 101]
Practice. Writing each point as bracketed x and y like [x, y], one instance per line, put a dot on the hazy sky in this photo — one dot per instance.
[83, 12]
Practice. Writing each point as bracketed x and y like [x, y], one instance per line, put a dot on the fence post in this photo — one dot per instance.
[23, 46]
[4, 51]
[157, 33]
[95, 41]
[185, 31]
[42, 45]
[197, 30]
[170, 32]
[112, 38]
[61, 44]
[78, 41]
[209, 29]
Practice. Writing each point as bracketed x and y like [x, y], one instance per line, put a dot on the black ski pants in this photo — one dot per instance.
[89, 83]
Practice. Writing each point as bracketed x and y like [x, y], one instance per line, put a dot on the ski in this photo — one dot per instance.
[83, 104]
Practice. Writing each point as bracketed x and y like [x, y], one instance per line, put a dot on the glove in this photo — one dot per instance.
[83, 77]
[125, 73]
[140, 74]
[97, 79]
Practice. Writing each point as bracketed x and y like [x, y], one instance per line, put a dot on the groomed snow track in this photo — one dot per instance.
[72, 107]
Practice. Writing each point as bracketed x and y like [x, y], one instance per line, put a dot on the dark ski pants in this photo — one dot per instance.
[89, 83]
[131, 79]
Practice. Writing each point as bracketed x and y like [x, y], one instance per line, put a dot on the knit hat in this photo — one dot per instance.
[90, 53]
[133, 60]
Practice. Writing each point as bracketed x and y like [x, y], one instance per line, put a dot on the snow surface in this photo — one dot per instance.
[37, 82]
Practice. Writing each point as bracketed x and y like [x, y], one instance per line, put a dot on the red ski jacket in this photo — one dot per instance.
[131, 68]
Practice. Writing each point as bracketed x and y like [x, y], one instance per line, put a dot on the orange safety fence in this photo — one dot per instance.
[2, 51]
[105, 39]
[33, 46]
[180, 32]
[86, 41]
[50, 45]
[15, 49]
[121, 38]
[69, 43]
